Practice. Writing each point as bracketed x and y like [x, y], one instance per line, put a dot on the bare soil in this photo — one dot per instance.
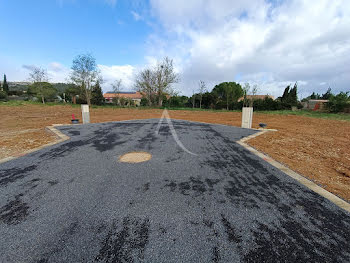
[316, 148]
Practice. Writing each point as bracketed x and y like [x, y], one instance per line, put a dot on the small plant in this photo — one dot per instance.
[3, 95]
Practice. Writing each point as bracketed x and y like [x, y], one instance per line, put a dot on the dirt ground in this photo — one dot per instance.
[316, 148]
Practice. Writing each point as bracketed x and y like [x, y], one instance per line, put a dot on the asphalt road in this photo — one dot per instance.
[74, 202]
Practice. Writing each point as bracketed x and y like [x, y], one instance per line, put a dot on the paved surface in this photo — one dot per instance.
[73, 202]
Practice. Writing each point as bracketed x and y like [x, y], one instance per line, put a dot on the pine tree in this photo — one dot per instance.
[285, 94]
[327, 95]
[292, 96]
[97, 95]
[5, 86]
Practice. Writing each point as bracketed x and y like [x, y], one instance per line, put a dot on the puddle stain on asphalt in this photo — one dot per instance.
[13, 174]
[126, 243]
[193, 187]
[232, 236]
[15, 211]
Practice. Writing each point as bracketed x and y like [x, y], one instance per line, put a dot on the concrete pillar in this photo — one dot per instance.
[247, 117]
[85, 113]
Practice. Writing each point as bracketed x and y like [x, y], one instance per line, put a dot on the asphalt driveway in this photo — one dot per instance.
[74, 202]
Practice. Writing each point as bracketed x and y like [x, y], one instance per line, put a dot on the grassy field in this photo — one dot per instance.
[313, 114]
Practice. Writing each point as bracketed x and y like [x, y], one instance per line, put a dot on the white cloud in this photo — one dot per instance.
[256, 41]
[115, 72]
[56, 67]
[60, 73]
[56, 72]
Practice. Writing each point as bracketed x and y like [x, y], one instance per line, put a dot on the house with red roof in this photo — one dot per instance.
[135, 96]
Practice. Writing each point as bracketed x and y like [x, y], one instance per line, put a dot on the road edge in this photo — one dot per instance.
[60, 138]
[301, 179]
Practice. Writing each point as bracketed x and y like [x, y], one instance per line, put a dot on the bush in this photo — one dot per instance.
[337, 103]
[3, 95]
[15, 92]
[267, 104]
[144, 102]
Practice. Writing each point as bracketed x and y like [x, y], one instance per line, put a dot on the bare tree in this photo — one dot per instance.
[254, 92]
[165, 76]
[145, 83]
[246, 89]
[202, 89]
[116, 89]
[248, 102]
[173, 93]
[85, 74]
[38, 76]
[157, 80]
[193, 99]
[117, 86]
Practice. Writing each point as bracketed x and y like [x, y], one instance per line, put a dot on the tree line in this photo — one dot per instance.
[156, 85]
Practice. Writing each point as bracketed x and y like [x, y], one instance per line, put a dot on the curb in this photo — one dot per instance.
[301, 179]
[60, 138]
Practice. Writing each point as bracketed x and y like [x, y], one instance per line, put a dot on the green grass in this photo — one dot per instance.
[311, 114]
[198, 109]
[16, 103]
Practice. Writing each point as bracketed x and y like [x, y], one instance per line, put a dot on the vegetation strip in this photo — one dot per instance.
[301, 179]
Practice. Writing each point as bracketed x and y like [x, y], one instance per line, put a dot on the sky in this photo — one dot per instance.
[268, 43]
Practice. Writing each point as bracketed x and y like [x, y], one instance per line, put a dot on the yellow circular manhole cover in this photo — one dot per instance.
[135, 157]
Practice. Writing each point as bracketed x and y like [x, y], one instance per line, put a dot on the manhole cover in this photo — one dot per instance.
[135, 157]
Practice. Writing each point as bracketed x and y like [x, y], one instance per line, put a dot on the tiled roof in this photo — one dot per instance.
[130, 95]
[257, 97]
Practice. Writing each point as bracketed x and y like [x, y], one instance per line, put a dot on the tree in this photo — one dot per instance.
[228, 92]
[165, 76]
[3, 95]
[5, 85]
[337, 103]
[285, 93]
[290, 97]
[123, 101]
[202, 89]
[314, 96]
[43, 90]
[97, 95]
[156, 81]
[39, 78]
[246, 90]
[85, 74]
[327, 95]
[116, 89]
[193, 99]
[209, 100]
[72, 91]
[254, 92]
[145, 83]
[173, 94]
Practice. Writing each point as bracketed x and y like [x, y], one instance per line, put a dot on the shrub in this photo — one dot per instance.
[3, 95]
[337, 103]
[144, 102]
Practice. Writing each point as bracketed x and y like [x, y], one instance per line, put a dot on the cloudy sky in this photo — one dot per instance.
[271, 43]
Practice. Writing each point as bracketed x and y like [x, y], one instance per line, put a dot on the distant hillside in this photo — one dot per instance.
[23, 86]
